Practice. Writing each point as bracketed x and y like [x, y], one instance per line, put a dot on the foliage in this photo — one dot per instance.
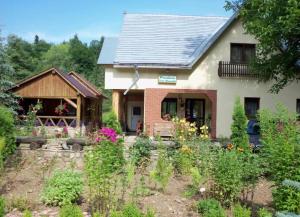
[103, 164]
[2, 206]
[63, 188]
[264, 213]
[228, 176]
[210, 208]
[110, 120]
[140, 151]
[183, 159]
[279, 135]
[163, 170]
[19, 203]
[27, 213]
[275, 24]
[240, 211]
[31, 118]
[7, 131]
[239, 136]
[7, 98]
[70, 211]
[131, 210]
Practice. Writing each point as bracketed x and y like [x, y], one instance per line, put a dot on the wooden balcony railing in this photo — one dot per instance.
[235, 70]
[54, 121]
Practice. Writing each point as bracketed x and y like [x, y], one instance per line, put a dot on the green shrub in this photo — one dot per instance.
[264, 213]
[210, 208]
[2, 206]
[63, 188]
[70, 211]
[110, 120]
[239, 211]
[281, 151]
[228, 176]
[7, 131]
[239, 136]
[141, 150]
[163, 170]
[27, 213]
[131, 210]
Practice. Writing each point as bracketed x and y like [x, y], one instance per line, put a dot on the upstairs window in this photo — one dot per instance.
[168, 108]
[251, 107]
[241, 53]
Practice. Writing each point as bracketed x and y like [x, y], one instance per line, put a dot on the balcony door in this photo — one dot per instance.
[195, 111]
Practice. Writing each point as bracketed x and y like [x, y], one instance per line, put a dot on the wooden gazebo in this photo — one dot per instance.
[68, 100]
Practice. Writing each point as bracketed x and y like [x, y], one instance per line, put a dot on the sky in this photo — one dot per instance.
[59, 20]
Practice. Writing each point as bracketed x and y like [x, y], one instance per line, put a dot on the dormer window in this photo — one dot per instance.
[241, 53]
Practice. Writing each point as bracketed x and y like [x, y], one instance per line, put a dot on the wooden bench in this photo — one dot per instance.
[164, 130]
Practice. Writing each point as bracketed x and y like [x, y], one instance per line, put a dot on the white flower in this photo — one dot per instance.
[202, 190]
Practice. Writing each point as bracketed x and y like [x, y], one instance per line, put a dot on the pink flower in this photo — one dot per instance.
[107, 133]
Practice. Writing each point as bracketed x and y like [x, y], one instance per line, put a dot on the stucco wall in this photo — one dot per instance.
[205, 76]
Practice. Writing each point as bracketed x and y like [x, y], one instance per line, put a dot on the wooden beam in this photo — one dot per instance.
[78, 111]
[71, 103]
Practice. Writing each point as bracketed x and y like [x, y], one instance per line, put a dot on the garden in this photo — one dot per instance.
[194, 176]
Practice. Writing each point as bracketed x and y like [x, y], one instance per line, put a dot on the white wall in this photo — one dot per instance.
[205, 76]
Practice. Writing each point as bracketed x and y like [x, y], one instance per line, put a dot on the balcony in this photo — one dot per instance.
[235, 70]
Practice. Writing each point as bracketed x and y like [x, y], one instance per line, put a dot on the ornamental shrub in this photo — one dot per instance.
[2, 206]
[63, 188]
[141, 150]
[110, 120]
[70, 211]
[228, 176]
[239, 136]
[210, 208]
[281, 151]
[240, 211]
[7, 131]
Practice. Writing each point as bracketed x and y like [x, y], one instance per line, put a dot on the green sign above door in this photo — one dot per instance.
[167, 79]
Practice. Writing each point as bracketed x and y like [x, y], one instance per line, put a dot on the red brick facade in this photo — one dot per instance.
[154, 96]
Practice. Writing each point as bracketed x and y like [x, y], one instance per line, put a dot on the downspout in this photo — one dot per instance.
[137, 77]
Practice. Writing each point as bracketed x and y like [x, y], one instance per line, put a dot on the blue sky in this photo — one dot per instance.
[58, 20]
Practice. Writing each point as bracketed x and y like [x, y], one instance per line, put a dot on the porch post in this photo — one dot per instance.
[78, 111]
[116, 103]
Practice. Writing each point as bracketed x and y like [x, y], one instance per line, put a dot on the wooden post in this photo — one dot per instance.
[78, 111]
[116, 103]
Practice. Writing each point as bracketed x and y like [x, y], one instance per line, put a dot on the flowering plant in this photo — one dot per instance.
[106, 133]
[61, 108]
[184, 130]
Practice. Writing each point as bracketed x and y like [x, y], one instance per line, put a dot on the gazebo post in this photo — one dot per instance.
[78, 110]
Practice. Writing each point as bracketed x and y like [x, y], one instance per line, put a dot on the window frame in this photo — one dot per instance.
[298, 108]
[168, 100]
[244, 46]
[253, 99]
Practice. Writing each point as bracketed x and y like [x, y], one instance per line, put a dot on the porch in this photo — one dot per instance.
[156, 107]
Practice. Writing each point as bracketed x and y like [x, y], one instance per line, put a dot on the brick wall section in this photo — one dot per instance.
[154, 96]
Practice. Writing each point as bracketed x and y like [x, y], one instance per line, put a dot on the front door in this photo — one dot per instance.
[135, 114]
[195, 111]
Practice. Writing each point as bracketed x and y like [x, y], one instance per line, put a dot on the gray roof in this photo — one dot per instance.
[108, 51]
[163, 40]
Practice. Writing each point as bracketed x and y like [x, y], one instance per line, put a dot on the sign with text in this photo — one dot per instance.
[167, 79]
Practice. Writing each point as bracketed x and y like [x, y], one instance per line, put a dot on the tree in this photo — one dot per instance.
[276, 25]
[239, 136]
[6, 74]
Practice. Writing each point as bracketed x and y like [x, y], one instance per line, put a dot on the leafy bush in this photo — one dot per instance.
[2, 206]
[239, 136]
[131, 210]
[279, 135]
[110, 120]
[141, 150]
[163, 170]
[239, 211]
[70, 211]
[227, 175]
[63, 188]
[210, 208]
[183, 160]
[7, 131]
[264, 213]
[27, 213]
[103, 164]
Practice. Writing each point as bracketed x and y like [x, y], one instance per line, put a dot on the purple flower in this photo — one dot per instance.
[108, 133]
